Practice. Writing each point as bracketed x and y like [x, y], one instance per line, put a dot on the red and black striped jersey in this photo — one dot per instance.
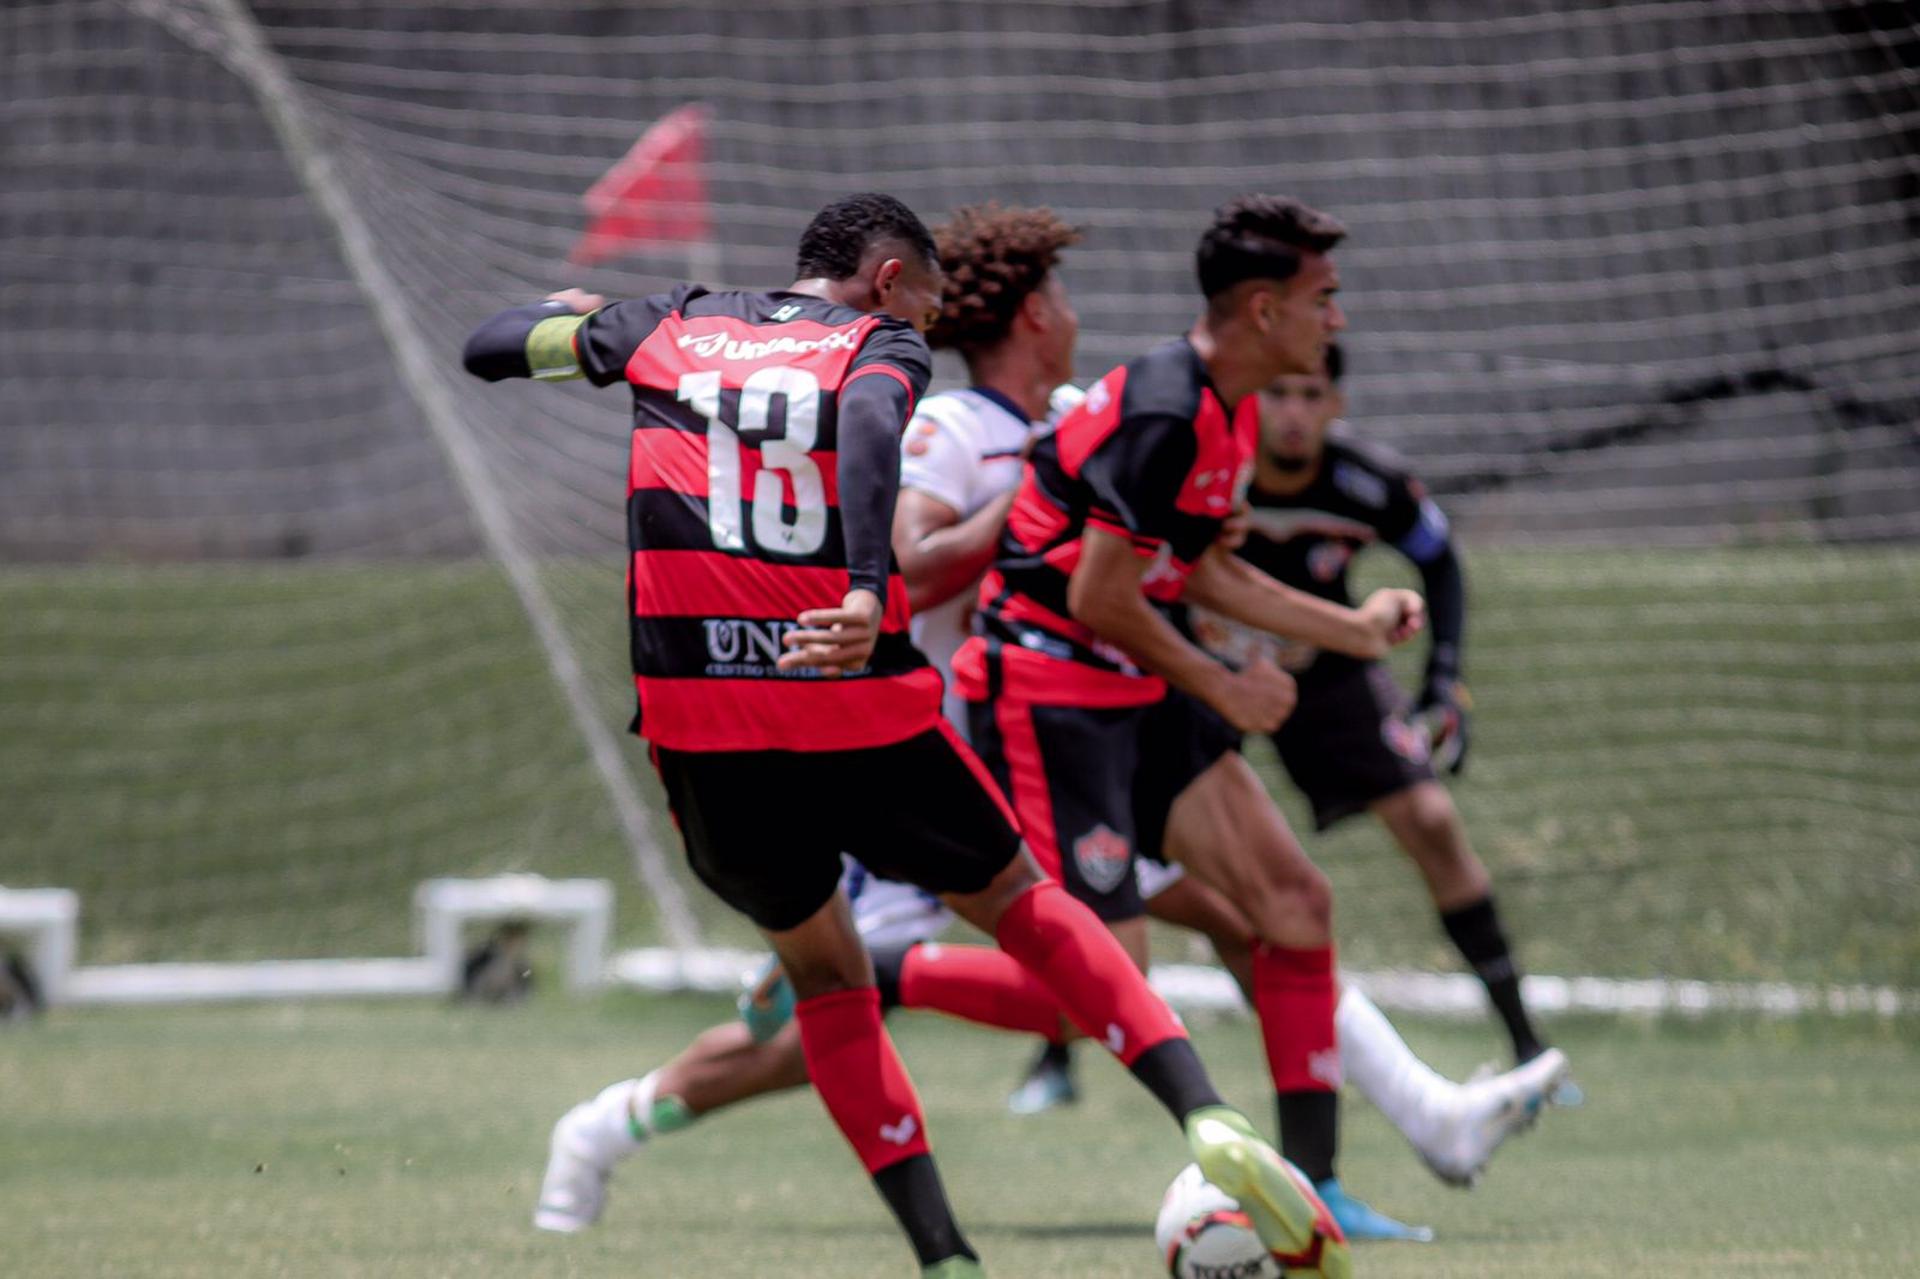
[1151, 455]
[733, 518]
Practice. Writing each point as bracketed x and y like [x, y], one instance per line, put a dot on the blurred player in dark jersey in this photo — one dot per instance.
[1320, 496]
[1111, 731]
[789, 714]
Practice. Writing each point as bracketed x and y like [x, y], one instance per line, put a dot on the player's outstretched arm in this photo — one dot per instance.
[1104, 594]
[1444, 703]
[538, 340]
[1228, 584]
[942, 554]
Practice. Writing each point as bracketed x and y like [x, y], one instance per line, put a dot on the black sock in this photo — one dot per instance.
[1309, 1131]
[1058, 1056]
[912, 1189]
[1475, 930]
[1172, 1072]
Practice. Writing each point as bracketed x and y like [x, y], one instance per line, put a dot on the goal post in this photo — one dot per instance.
[295, 615]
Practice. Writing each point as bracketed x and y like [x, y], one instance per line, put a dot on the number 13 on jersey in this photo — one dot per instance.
[788, 455]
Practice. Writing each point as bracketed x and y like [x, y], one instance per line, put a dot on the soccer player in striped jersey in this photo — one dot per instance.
[790, 716]
[1007, 312]
[1321, 495]
[1085, 697]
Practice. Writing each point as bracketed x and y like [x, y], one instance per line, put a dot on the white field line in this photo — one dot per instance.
[1188, 987]
[1199, 988]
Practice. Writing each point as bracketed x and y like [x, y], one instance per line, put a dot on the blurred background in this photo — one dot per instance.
[1635, 286]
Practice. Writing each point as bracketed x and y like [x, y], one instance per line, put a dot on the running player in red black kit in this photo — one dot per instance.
[1321, 495]
[1115, 734]
[790, 717]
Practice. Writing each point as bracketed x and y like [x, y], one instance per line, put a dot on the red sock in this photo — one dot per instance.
[1067, 947]
[978, 984]
[859, 1077]
[1294, 994]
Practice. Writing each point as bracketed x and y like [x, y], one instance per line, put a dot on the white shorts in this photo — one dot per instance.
[890, 915]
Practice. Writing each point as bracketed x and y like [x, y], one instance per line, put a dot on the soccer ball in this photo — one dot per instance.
[1202, 1234]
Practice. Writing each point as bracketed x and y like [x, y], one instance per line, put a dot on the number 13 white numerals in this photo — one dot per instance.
[724, 508]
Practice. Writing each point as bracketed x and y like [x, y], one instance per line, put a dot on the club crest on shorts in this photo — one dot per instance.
[1103, 857]
[1405, 740]
[1328, 560]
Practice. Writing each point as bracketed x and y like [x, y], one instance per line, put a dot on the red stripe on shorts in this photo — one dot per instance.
[1027, 771]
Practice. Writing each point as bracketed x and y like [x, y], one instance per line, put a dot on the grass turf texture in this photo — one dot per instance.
[1698, 763]
[407, 1139]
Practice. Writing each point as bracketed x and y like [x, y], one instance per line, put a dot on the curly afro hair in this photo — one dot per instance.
[993, 258]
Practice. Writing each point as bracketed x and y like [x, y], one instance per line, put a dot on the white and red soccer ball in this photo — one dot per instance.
[1202, 1234]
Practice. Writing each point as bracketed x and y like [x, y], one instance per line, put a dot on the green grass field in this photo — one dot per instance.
[406, 1140]
[1697, 763]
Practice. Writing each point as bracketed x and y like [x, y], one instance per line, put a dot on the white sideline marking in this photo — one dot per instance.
[276, 979]
[1200, 988]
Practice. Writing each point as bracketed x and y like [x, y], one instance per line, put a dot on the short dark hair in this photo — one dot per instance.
[840, 235]
[1336, 363]
[993, 259]
[1261, 237]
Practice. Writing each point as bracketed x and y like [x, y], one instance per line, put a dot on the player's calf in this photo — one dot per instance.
[865, 1087]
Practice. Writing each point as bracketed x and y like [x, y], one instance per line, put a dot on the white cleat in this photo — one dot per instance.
[574, 1190]
[1484, 1113]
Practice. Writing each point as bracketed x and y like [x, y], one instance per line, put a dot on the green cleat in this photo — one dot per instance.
[954, 1268]
[1289, 1218]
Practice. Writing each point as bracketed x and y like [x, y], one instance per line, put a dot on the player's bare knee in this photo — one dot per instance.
[813, 983]
[827, 972]
[1296, 910]
[1428, 823]
[984, 908]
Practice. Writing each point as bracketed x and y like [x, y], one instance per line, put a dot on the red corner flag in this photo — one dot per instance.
[656, 193]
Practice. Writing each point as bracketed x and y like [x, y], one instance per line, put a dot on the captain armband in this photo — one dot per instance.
[552, 353]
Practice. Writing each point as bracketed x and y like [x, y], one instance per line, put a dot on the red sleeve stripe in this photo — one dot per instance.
[890, 371]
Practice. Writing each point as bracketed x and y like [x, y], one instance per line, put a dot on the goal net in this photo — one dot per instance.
[294, 615]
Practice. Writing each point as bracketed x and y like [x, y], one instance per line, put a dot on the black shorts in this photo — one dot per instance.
[1093, 786]
[765, 829]
[1182, 738]
[1348, 743]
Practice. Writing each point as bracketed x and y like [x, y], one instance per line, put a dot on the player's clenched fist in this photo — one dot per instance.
[1258, 698]
[1395, 615]
[579, 301]
[834, 641]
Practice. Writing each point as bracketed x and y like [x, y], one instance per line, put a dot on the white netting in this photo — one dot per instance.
[1638, 273]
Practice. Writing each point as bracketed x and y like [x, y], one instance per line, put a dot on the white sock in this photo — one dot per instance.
[1410, 1093]
[605, 1125]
